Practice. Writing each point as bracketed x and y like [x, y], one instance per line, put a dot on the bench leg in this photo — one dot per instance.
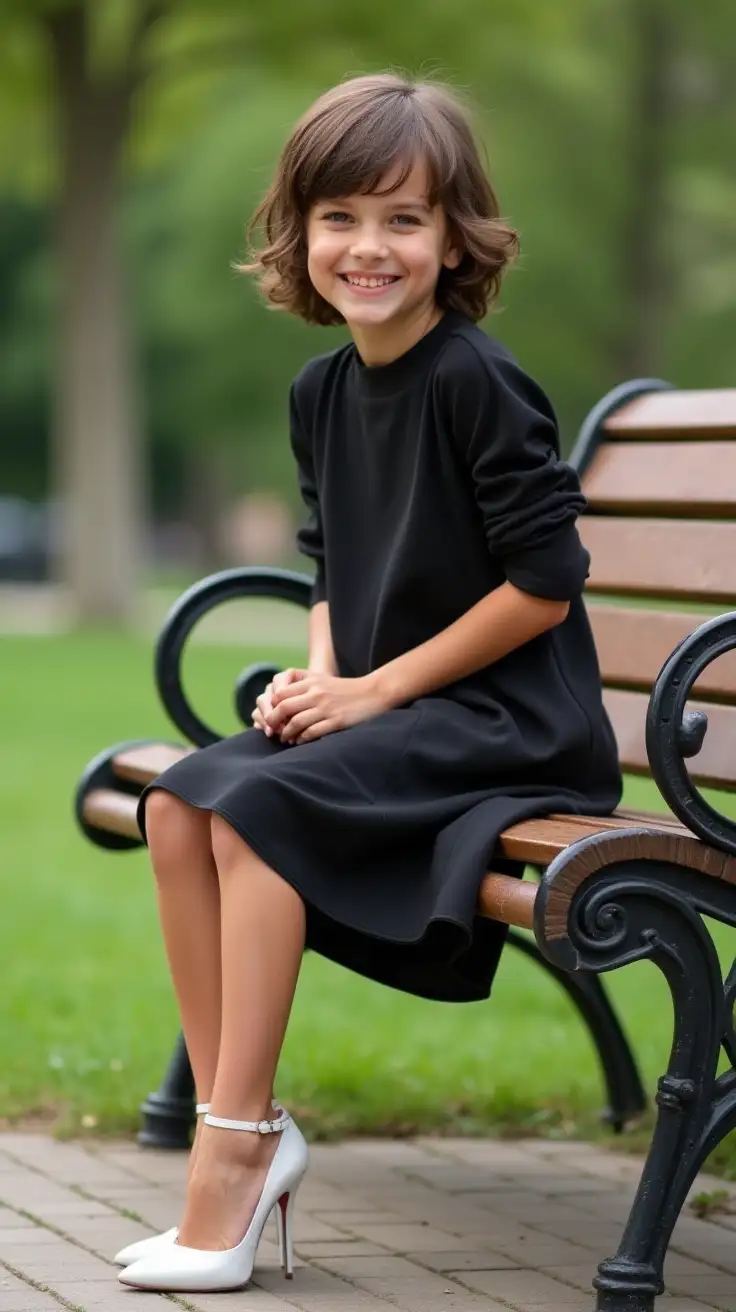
[168, 1114]
[626, 1098]
[637, 910]
[696, 1111]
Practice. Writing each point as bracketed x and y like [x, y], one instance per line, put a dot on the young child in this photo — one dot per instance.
[452, 686]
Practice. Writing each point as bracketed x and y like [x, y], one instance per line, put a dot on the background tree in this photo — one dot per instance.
[609, 135]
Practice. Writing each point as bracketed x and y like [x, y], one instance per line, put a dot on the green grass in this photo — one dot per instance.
[87, 1018]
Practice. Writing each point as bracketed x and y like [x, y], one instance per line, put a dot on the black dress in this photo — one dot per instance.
[429, 482]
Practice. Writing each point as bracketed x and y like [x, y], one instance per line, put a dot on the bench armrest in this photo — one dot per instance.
[673, 734]
[185, 614]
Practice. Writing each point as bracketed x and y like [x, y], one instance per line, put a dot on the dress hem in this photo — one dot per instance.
[247, 837]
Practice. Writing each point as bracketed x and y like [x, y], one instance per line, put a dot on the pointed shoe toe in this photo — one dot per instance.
[187, 1270]
[145, 1247]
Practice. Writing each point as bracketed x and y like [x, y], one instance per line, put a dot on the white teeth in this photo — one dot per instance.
[368, 282]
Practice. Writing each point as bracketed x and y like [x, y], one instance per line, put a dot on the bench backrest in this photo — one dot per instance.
[659, 469]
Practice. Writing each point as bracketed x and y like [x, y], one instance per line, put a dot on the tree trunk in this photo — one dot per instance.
[206, 500]
[97, 442]
[648, 283]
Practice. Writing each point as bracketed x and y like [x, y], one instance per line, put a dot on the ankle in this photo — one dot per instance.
[244, 1152]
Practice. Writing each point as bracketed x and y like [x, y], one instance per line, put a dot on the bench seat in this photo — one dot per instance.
[536, 842]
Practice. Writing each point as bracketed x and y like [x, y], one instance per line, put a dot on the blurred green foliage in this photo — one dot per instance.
[609, 133]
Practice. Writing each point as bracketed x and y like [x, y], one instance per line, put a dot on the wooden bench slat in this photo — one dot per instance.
[509, 900]
[633, 645]
[142, 764]
[538, 841]
[690, 414]
[690, 560]
[693, 479]
[649, 819]
[114, 812]
[715, 764]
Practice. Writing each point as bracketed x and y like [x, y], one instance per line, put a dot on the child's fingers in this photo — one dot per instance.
[287, 709]
[285, 678]
[315, 731]
[304, 719]
[264, 708]
[294, 688]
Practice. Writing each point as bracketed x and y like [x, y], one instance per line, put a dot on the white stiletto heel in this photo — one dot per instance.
[146, 1247]
[181, 1269]
[283, 1213]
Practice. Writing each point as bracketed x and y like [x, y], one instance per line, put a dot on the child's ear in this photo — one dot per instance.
[453, 251]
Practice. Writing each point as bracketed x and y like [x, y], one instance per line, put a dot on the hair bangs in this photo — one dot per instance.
[366, 152]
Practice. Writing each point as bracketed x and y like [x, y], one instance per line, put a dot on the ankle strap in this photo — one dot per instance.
[255, 1127]
[202, 1107]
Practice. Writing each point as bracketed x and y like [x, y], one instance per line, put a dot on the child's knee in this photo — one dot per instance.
[166, 816]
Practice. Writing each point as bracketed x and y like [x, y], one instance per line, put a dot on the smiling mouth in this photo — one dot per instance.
[369, 282]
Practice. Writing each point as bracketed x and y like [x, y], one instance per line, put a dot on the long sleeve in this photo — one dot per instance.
[504, 427]
[309, 538]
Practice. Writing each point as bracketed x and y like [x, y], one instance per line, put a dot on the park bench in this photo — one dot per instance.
[659, 469]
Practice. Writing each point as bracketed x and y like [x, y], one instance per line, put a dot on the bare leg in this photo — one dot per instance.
[262, 941]
[180, 844]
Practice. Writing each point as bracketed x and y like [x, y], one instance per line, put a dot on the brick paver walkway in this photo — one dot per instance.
[423, 1226]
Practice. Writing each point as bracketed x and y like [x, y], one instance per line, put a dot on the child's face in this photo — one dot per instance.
[377, 258]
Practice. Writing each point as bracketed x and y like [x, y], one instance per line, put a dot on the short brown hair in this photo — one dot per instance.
[349, 139]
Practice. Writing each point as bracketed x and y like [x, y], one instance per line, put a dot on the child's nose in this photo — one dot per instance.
[369, 243]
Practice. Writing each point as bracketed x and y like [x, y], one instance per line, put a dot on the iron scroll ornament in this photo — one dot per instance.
[191, 607]
[672, 734]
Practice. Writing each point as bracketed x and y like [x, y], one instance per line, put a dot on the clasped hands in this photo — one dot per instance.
[301, 705]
